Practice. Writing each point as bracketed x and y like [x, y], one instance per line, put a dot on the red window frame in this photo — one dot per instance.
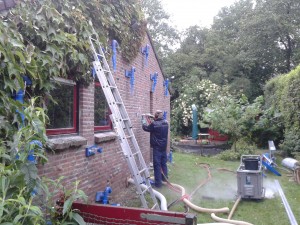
[75, 118]
[105, 127]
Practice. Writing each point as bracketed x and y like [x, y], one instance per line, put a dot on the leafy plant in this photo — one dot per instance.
[282, 100]
[243, 147]
[20, 185]
[63, 198]
[19, 177]
[234, 116]
[44, 39]
[200, 93]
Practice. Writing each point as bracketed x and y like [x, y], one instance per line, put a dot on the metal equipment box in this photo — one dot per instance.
[250, 177]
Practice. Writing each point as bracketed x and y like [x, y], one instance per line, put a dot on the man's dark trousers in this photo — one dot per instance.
[160, 165]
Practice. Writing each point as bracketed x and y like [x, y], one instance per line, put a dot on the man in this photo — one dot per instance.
[158, 129]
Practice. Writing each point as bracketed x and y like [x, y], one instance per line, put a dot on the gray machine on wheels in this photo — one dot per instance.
[250, 177]
[123, 126]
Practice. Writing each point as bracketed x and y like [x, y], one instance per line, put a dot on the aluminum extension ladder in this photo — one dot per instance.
[122, 126]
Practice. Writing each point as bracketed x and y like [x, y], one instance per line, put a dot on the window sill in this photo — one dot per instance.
[105, 136]
[60, 143]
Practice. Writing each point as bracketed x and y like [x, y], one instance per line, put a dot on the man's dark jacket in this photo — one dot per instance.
[158, 129]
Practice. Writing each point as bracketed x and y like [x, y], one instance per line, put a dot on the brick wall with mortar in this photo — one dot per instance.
[93, 172]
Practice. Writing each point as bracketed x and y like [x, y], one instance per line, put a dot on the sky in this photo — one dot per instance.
[186, 13]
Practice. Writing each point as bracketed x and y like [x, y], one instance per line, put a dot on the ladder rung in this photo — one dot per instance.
[98, 54]
[119, 103]
[145, 190]
[134, 154]
[107, 71]
[129, 136]
[154, 206]
[113, 87]
[143, 170]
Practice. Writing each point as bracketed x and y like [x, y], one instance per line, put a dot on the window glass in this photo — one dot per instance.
[62, 112]
[101, 111]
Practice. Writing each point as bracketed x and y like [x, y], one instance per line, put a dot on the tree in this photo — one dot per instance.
[164, 36]
[229, 53]
[234, 116]
[199, 93]
[273, 34]
[186, 65]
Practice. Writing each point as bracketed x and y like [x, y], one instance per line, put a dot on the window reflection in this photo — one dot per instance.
[101, 110]
[61, 112]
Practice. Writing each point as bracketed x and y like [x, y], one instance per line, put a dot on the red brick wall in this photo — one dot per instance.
[86, 113]
[94, 171]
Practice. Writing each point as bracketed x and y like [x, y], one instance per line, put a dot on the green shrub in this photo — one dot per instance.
[243, 148]
[291, 142]
[229, 155]
[283, 102]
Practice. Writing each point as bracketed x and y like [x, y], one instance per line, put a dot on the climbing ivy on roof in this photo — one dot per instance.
[47, 38]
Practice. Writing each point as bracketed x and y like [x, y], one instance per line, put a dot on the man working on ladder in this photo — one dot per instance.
[158, 129]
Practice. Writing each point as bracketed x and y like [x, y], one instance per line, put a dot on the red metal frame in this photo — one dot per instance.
[103, 128]
[216, 136]
[106, 214]
[72, 129]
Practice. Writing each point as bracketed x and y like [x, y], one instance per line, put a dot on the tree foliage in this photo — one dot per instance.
[283, 100]
[248, 43]
[234, 116]
[198, 93]
[164, 36]
[43, 39]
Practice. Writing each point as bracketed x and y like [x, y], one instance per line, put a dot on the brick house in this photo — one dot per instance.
[81, 120]
[87, 126]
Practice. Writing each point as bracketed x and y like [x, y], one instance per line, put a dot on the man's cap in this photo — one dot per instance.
[159, 114]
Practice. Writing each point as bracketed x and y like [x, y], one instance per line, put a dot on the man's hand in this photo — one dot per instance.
[143, 121]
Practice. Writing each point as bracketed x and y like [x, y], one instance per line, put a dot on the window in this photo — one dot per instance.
[101, 111]
[63, 112]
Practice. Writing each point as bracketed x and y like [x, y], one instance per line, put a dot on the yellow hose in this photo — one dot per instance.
[197, 208]
[218, 219]
[234, 207]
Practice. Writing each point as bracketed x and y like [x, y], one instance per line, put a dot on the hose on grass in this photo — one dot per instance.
[185, 197]
[238, 222]
[198, 208]
[234, 207]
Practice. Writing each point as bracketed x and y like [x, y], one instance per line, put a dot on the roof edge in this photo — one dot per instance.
[157, 59]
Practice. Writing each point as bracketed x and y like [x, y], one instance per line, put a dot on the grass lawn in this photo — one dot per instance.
[221, 191]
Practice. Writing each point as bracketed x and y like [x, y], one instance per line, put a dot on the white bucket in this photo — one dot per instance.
[290, 163]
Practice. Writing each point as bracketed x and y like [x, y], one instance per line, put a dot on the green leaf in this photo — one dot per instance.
[32, 70]
[30, 171]
[17, 43]
[36, 210]
[18, 218]
[51, 30]
[21, 57]
[67, 205]
[38, 125]
[78, 219]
